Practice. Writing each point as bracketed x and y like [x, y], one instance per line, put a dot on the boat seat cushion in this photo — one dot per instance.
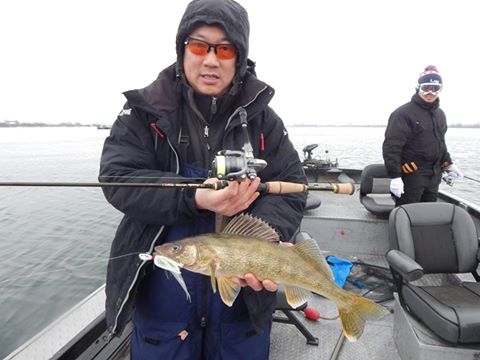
[379, 206]
[442, 239]
[375, 190]
[313, 201]
[452, 312]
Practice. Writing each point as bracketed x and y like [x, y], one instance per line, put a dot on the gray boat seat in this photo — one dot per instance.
[283, 306]
[313, 201]
[375, 190]
[437, 238]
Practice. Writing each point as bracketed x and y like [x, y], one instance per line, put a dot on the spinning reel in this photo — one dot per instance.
[237, 164]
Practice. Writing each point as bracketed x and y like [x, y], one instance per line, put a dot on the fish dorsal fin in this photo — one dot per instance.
[228, 290]
[250, 226]
[296, 296]
[308, 249]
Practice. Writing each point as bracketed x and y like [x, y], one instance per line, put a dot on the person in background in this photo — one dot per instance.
[170, 131]
[414, 150]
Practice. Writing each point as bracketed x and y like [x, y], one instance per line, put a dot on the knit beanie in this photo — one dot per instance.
[430, 75]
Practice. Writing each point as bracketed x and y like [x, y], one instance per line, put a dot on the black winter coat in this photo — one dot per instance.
[144, 146]
[416, 132]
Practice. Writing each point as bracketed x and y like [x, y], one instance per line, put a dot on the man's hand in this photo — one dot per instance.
[396, 187]
[236, 197]
[257, 285]
[454, 172]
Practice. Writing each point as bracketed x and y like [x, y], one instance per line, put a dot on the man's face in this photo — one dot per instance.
[429, 91]
[208, 74]
[430, 98]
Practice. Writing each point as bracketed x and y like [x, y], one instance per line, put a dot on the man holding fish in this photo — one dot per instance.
[171, 131]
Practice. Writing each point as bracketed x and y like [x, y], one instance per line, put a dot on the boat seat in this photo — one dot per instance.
[313, 201]
[437, 238]
[375, 190]
[289, 312]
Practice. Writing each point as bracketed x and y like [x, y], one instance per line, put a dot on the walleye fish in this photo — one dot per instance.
[249, 245]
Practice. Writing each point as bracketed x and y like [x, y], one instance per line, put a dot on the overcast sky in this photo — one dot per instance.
[330, 62]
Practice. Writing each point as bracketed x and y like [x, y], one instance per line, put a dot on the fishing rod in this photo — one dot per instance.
[473, 179]
[227, 165]
[270, 187]
[449, 180]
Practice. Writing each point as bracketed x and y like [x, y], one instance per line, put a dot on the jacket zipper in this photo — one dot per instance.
[437, 137]
[214, 107]
[120, 310]
[244, 106]
[206, 129]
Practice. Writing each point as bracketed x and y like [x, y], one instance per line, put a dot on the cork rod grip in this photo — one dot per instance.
[346, 188]
[282, 187]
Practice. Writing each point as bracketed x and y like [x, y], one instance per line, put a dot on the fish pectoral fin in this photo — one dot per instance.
[296, 296]
[213, 271]
[228, 290]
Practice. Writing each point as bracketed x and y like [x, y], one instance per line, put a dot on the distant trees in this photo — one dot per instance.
[15, 123]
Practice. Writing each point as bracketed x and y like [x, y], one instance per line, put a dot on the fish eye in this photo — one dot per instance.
[176, 247]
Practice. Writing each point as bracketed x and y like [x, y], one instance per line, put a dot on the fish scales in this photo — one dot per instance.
[249, 245]
[237, 255]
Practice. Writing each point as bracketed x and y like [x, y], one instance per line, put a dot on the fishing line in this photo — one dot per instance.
[472, 179]
[122, 256]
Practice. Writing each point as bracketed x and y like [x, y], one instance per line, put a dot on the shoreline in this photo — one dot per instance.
[30, 125]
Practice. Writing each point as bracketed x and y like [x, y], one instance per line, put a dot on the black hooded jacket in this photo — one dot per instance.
[146, 143]
[416, 133]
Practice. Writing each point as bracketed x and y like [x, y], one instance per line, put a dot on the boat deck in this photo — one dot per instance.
[343, 228]
[376, 342]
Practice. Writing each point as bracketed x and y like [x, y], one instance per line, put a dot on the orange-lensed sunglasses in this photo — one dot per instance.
[202, 48]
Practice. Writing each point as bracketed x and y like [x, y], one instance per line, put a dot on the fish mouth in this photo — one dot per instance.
[166, 263]
[173, 267]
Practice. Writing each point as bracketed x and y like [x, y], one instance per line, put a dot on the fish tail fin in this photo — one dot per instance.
[355, 311]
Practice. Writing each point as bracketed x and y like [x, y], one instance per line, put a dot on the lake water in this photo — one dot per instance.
[54, 242]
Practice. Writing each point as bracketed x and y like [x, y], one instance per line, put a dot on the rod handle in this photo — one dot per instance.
[340, 188]
[344, 188]
[282, 187]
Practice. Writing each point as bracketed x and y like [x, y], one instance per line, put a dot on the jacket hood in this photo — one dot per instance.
[230, 15]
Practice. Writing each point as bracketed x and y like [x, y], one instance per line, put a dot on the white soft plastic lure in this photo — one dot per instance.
[170, 265]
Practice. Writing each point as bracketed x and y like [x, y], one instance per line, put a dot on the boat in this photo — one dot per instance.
[104, 127]
[343, 227]
[320, 169]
